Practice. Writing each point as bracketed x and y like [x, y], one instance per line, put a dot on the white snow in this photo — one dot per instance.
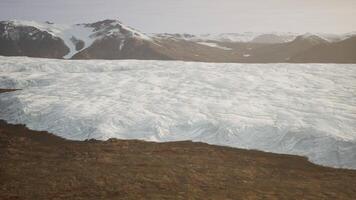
[330, 37]
[348, 35]
[250, 36]
[134, 32]
[65, 32]
[82, 32]
[302, 109]
[122, 44]
[229, 37]
[225, 37]
[211, 44]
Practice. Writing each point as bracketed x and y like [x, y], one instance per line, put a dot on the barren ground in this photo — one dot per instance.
[39, 165]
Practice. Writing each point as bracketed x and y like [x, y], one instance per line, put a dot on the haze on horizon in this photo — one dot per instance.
[195, 16]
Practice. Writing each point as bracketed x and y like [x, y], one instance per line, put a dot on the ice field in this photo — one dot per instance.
[301, 109]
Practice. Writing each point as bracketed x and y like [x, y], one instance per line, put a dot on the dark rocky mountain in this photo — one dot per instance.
[29, 41]
[110, 39]
[337, 52]
[116, 48]
[284, 51]
[116, 41]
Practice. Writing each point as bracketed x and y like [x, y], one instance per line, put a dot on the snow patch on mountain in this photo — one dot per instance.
[67, 33]
[134, 32]
[269, 37]
[330, 37]
[87, 33]
[302, 109]
[211, 44]
[225, 37]
[348, 35]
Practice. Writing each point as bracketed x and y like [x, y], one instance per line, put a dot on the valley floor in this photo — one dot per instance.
[39, 165]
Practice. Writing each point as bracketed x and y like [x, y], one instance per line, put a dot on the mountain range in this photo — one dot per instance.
[111, 39]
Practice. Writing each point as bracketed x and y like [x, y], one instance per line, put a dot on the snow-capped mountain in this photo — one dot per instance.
[311, 38]
[174, 36]
[343, 51]
[336, 37]
[274, 38]
[18, 40]
[233, 37]
[111, 39]
[250, 37]
[75, 37]
[223, 37]
[348, 35]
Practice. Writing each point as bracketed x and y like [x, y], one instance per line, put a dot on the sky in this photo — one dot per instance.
[195, 16]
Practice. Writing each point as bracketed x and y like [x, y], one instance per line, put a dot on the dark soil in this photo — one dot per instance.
[39, 165]
[6, 90]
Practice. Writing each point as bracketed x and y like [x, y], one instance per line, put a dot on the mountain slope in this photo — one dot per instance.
[273, 38]
[111, 39]
[339, 52]
[23, 40]
[233, 37]
[116, 48]
[284, 51]
[117, 41]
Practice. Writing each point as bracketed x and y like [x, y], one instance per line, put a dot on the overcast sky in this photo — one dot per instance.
[195, 16]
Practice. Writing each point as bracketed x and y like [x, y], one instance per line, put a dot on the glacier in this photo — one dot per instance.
[299, 109]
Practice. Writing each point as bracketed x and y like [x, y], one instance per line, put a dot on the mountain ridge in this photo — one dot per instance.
[111, 39]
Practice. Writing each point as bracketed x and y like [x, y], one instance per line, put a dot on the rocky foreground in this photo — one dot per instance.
[39, 165]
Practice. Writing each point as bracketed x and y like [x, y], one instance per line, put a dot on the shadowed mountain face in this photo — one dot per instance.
[338, 52]
[283, 52]
[29, 41]
[116, 41]
[110, 39]
[117, 48]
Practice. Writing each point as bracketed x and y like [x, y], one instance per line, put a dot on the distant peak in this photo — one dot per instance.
[105, 22]
[311, 38]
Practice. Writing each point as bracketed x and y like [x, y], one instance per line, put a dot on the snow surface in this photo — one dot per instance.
[212, 44]
[302, 109]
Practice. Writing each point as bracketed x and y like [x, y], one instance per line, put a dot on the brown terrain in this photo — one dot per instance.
[6, 90]
[39, 165]
[338, 52]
